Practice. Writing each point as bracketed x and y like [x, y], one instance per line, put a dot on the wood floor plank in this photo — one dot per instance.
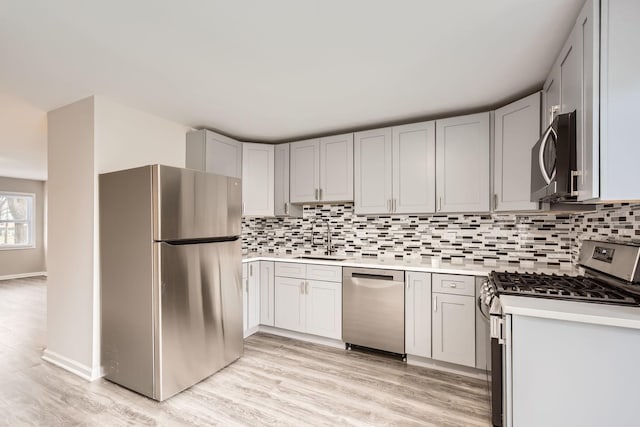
[278, 382]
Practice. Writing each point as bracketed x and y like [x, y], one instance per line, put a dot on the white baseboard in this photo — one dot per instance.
[302, 337]
[447, 367]
[83, 371]
[23, 275]
[250, 331]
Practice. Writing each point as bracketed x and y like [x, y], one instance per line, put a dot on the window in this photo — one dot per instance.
[16, 220]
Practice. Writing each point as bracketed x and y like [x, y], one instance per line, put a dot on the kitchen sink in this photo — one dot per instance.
[322, 257]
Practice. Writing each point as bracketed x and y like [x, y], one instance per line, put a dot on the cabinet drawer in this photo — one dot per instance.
[291, 269]
[454, 284]
[327, 273]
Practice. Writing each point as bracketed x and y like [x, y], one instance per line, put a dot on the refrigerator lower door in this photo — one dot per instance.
[199, 313]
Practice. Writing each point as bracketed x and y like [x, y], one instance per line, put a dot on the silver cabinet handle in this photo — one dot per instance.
[302, 287]
[408, 284]
[439, 204]
[495, 200]
[389, 205]
[250, 269]
[435, 303]
[306, 288]
[286, 208]
[453, 285]
[320, 192]
[316, 194]
[393, 205]
[243, 208]
[246, 285]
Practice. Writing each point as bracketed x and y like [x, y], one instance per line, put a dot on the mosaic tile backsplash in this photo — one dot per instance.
[619, 222]
[542, 239]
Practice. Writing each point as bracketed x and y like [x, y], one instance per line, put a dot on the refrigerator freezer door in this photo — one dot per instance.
[199, 326]
[192, 204]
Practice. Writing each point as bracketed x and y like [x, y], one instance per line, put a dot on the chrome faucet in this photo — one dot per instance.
[329, 248]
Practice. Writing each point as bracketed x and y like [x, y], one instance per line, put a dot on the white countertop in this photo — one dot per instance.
[573, 311]
[419, 264]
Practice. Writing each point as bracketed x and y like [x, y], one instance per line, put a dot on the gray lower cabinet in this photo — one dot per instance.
[305, 304]
[453, 331]
[267, 293]
[252, 290]
[418, 314]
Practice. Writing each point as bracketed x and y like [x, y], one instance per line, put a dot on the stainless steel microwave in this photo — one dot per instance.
[553, 161]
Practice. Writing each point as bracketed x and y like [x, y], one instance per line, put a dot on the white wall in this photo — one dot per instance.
[126, 138]
[71, 287]
[23, 139]
[86, 138]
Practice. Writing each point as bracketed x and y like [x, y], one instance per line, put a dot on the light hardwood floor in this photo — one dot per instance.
[278, 381]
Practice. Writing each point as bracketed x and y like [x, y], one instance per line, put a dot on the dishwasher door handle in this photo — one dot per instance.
[372, 276]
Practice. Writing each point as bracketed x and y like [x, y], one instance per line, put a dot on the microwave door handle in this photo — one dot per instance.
[543, 169]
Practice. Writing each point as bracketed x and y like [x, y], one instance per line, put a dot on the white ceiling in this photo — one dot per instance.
[281, 69]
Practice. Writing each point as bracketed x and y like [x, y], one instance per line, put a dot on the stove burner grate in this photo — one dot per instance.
[577, 288]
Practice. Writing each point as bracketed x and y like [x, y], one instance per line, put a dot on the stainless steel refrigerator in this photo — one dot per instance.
[171, 277]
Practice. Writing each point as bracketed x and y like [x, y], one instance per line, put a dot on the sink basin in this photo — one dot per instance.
[322, 257]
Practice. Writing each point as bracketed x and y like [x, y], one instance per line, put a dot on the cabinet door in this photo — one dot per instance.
[245, 296]
[324, 308]
[620, 97]
[336, 168]
[372, 171]
[517, 129]
[257, 179]
[282, 205]
[462, 163]
[211, 152]
[454, 329]
[290, 304]
[414, 168]
[418, 314]
[305, 171]
[253, 295]
[588, 117]
[267, 293]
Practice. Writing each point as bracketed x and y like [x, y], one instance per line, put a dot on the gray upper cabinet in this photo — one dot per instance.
[322, 170]
[517, 129]
[336, 168]
[395, 169]
[257, 180]
[619, 99]
[462, 164]
[414, 168]
[373, 176]
[305, 171]
[211, 152]
[282, 202]
[572, 85]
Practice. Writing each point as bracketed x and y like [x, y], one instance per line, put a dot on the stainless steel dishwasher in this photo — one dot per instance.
[373, 309]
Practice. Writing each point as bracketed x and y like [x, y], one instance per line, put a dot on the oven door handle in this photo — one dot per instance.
[479, 301]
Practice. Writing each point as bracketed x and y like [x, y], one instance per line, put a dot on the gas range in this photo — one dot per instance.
[612, 276]
[574, 288]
